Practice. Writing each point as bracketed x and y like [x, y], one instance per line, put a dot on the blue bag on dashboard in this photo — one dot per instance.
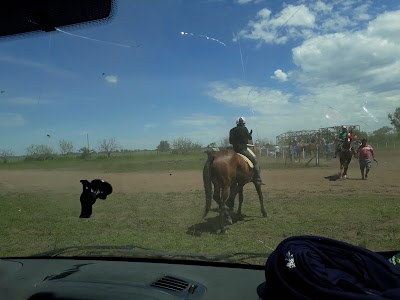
[312, 267]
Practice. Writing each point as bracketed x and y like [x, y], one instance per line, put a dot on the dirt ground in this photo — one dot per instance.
[383, 179]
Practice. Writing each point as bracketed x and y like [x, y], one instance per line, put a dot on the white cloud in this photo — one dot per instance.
[266, 27]
[364, 58]
[255, 99]
[346, 70]
[12, 120]
[272, 112]
[361, 12]
[268, 112]
[323, 7]
[113, 79]
[337, 22]
[386, 27]
[265, 13]
[302, 22]
[295, 15]
[280, 75]
[352, 70]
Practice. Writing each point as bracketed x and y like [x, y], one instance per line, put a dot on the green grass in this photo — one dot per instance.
[153, 161]
[33, 223]
[130, 162]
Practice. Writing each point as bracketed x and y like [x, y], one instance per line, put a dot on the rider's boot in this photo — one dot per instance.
[256, 177]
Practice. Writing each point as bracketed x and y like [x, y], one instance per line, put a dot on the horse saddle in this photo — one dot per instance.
[251, 165]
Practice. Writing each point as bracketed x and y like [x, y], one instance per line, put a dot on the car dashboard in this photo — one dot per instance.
[89, 279]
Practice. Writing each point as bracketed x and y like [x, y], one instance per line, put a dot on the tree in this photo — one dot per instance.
[196, 146]
[181, 145]
[382, 135]
[85, 153]
[395, 119]
[39, 152]
[263, 142]
[108, 146]
[224, 142]
[184, 145]
[383, 131]
[5, 154]
[363, 135]
[66, 147]
[163, 146]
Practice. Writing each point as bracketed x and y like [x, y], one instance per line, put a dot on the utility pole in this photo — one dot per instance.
[87, 138]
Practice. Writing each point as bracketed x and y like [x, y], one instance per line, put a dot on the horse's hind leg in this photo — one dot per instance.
[239, 211]
[217, 193]
[231, 199]
[261, 198]
[222, 207]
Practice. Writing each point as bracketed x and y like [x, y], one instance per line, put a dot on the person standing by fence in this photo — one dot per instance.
[294, 151]
[329, 150]
[277, 151]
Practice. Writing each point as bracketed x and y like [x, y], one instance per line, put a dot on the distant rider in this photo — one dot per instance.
[239, 136]
[342, 136]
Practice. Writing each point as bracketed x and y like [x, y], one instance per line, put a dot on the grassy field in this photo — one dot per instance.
[31, 223]
[133, 162]
[34, 222]
[127, 162]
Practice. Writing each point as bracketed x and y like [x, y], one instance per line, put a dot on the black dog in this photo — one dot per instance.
[91, 192]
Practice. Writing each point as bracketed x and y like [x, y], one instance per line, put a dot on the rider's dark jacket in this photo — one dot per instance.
[239, 136]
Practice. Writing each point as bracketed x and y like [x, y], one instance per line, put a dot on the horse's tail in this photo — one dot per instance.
[207, 183]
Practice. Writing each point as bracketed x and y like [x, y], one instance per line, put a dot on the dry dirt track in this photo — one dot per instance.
[383, 180]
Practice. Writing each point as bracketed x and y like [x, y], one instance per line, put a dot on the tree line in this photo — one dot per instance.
[180, 145]
[42, 152]
[183, 145]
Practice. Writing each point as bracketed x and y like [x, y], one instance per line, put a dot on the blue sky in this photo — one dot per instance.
[290, 65]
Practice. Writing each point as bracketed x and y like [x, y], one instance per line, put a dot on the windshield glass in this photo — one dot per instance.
[145, 102]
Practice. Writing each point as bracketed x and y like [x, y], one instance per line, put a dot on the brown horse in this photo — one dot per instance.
[346, 152]
[229, 173]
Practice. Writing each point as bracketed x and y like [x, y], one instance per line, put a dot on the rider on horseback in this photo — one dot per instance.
[239, 137]
[342, 136]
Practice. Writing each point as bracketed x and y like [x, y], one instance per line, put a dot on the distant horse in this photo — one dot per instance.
[346, 152]
[229, 173]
